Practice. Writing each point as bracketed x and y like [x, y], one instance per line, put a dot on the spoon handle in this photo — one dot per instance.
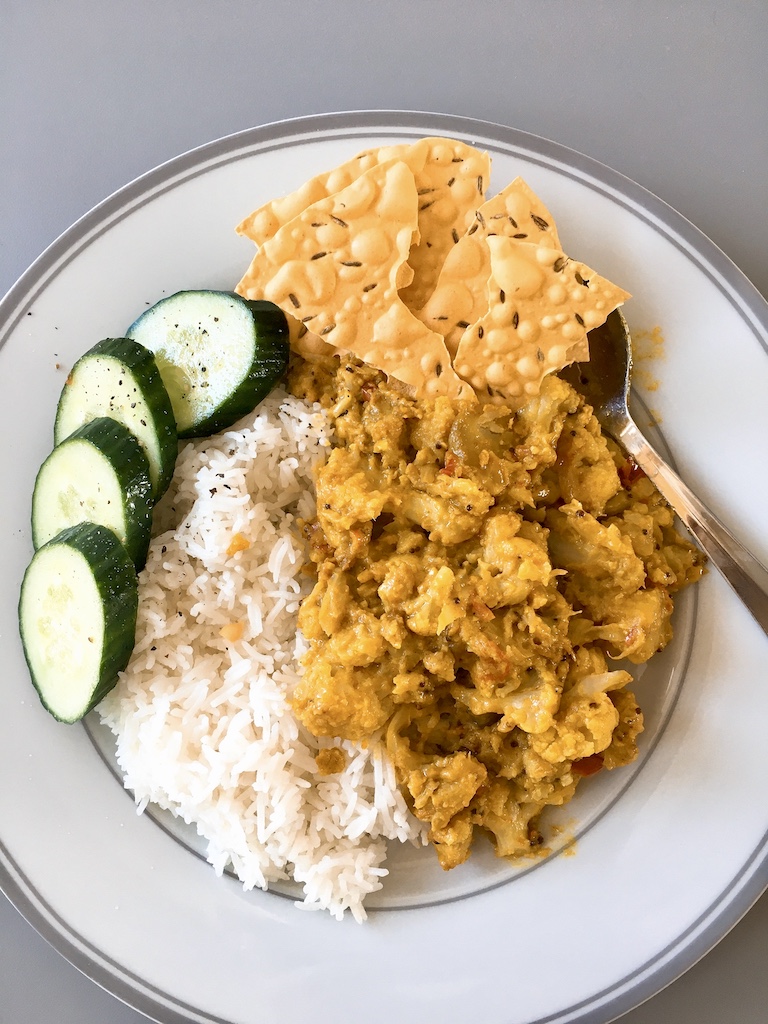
[747, 576]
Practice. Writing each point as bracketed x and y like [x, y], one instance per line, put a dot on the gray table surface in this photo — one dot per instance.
[671, 94]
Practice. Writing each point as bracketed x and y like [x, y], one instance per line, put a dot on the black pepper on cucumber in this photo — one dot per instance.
[119, 378]
[77, 618]
[219, 355]
[98, 474]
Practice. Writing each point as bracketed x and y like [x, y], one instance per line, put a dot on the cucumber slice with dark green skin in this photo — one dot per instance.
[219, 355]
[77, 618]
[99, 474]
[120, 379]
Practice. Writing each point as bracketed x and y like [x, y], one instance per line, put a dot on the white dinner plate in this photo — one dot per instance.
[659, 862]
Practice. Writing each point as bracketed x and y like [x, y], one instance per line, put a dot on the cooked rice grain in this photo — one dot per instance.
[203, 725]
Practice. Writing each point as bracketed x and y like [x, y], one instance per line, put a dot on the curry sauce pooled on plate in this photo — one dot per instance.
[482, 552]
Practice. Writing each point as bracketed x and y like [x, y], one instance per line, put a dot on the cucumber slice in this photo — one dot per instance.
[218, 355]
[99, 474]
[120, 379]
[77, 618]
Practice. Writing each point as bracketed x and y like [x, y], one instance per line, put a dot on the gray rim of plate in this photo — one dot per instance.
[746, 888]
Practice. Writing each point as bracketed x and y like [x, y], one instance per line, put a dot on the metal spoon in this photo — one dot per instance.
[604, 381]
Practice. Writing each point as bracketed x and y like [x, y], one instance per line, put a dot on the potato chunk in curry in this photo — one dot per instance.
[476, 569]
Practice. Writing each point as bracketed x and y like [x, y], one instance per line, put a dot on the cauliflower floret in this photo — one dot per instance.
[586, 719]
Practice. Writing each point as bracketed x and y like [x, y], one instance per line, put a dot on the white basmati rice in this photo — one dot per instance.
[203, 725]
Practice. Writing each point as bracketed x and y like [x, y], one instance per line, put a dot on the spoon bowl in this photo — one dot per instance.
[605, 379]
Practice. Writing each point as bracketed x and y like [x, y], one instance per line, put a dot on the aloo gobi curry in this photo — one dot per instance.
[478, 569]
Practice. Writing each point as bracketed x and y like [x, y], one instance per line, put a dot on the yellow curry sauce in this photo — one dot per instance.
[476, 569]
